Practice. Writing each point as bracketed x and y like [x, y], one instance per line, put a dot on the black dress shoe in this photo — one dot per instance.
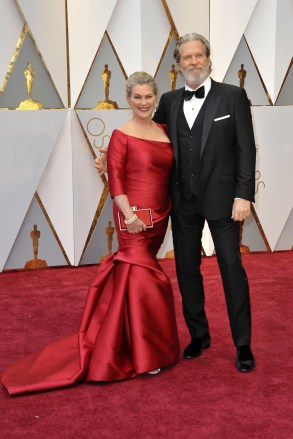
[196, 346]
[244, 359]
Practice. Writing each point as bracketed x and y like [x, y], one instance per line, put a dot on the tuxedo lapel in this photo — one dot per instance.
[175, 107]
[213, 101]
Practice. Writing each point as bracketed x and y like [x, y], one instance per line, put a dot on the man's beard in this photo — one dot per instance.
[193, 78]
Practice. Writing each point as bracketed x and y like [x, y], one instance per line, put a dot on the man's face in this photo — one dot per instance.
[194, 65]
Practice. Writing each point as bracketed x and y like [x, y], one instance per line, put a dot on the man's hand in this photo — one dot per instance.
[101, 162]
[240, 210]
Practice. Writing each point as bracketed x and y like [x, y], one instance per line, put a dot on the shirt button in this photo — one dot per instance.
[191, 137]
[190, 149]
[192, 175]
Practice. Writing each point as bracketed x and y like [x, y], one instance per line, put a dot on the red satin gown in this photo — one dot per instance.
[128, 325]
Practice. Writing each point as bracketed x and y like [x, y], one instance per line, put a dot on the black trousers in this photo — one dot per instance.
[187, 226]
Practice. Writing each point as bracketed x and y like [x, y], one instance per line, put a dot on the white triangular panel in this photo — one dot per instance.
[167, 244]
[153, 43]
[274, 199]
[87, 22]
[26, 141]
[228, 20]
[190, 16]
[11, 24]
[268, 35]
[286, 95]
[261, 38]
[252, 83]
[98, 245]
[87, 187]
[99, 124]
[207, 240]
[47, 22]
[285, 241]
[141, 29]
[124, 30]
[55, 189]
[251, 235]
[284, 51]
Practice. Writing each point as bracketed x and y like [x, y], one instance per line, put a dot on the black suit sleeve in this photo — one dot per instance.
[160, 115]
[244, 148]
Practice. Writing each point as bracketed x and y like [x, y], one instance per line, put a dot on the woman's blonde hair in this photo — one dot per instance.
[140, 78]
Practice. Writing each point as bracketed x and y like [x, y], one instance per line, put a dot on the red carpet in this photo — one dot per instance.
[204, 398]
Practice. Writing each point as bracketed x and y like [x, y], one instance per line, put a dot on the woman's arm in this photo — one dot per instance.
[123, 205]
[117, 164]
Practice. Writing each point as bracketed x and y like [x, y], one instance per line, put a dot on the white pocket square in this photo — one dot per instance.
[223, 117]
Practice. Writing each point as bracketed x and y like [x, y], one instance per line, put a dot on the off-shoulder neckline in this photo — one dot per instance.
[142, 138]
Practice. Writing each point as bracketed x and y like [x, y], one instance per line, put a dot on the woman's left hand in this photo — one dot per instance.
[136, 227]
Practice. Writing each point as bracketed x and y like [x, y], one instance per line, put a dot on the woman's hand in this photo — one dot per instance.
[136, 227]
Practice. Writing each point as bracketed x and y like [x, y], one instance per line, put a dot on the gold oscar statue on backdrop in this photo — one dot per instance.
[106, 104]
[242, 75]
[110, 233]
[30, 103]
[110, 230]
[173, 77]
[35, 263]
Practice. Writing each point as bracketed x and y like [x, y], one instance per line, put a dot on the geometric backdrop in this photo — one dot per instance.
[55, 56]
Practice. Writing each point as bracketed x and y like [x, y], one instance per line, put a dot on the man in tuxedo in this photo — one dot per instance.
[210, 127]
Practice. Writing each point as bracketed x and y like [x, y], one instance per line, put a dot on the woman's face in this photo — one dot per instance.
[142, 101]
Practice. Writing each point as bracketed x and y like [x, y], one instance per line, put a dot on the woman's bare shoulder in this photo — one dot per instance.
[126, 128]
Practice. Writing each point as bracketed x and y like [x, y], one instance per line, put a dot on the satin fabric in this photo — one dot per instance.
[128, 325]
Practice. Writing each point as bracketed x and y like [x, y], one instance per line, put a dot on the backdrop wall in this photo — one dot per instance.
[54, 208]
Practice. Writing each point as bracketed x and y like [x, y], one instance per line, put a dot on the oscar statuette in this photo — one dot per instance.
[36, 262]
[106, 104]
[30, 103]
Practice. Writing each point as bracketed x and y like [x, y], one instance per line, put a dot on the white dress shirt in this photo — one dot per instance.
[192, 107]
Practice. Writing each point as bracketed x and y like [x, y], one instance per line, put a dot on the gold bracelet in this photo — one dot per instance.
[131, 220]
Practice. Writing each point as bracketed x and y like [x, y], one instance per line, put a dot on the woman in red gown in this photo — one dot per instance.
[128, 326]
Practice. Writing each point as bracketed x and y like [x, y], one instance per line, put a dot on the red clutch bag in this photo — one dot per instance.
[144, 215]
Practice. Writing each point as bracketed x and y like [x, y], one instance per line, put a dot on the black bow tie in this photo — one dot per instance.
[199, 93]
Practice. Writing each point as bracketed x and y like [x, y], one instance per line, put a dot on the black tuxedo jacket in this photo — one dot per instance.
[227, 164]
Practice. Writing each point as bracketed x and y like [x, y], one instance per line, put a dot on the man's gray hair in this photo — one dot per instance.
[191, 37]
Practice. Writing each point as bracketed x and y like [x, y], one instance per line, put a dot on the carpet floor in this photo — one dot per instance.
[204, 398]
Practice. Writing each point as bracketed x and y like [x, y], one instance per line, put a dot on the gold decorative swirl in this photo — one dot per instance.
[102, 146]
